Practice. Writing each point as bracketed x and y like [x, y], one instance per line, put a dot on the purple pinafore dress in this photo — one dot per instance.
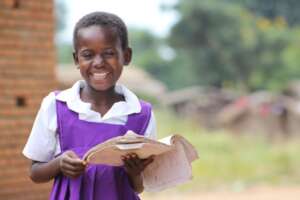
[99, 181]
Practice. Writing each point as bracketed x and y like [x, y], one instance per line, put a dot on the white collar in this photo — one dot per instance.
[71, 97]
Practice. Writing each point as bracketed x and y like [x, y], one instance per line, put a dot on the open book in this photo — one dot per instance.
[171, 165]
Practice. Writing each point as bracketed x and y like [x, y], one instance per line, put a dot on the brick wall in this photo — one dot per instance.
[27, 60]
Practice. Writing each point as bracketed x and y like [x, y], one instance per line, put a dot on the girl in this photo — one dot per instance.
[72, 121]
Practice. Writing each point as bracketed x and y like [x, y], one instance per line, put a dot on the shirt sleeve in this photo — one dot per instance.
[151, 129]
[42, 142]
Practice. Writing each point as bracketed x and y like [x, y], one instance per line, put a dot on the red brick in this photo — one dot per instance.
[27, 61]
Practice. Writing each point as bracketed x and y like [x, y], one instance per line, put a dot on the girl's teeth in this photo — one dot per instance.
[99, 76]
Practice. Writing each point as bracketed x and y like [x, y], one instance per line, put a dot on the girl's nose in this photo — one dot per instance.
[98, 61]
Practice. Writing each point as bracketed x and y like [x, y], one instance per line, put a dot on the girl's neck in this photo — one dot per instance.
[101, 101]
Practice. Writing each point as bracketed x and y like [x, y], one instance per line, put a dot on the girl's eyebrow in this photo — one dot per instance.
[109, 49]
[85, 49]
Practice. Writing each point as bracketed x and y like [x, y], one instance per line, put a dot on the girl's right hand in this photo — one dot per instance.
[71, 165]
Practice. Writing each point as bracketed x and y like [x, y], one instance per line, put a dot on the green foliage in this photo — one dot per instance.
[233, 161]
[271, 9]
[146, 54]
[291, 57]
[221, 42]
[145, 50]
[211, 36]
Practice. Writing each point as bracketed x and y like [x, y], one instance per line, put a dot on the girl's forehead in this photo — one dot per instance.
[97, 33]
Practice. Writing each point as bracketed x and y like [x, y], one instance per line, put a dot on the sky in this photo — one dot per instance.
[145, 14]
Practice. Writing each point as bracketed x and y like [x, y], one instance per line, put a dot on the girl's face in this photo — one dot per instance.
[100, 57]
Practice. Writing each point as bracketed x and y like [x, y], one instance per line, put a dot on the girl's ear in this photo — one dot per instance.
[127, 56]
[75, 58]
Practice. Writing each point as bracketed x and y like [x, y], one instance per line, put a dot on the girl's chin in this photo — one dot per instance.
[102, 87]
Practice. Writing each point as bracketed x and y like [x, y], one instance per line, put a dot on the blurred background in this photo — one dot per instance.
[225, 74]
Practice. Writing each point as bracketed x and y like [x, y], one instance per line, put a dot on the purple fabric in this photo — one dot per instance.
[99, 181]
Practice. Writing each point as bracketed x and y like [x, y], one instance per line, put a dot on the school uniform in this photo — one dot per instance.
[64, 123]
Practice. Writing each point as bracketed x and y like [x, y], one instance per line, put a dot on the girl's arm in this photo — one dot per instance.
[68, 163]
[134, 167]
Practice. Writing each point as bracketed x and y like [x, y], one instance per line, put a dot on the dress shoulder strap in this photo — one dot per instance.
[138, 122]
[59, 108]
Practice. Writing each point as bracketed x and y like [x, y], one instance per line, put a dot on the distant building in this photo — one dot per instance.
[262, 113]
[202, 104]
[27, 60]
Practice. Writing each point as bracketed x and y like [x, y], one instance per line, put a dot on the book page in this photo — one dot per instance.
[189, 150]
[167, 140]
[168, 169]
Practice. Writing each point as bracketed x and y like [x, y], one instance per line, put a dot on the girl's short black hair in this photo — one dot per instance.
[102, 19]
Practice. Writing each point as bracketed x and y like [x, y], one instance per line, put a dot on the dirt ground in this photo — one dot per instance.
[259, 193]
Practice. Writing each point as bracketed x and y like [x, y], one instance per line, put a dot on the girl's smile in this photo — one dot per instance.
[100, 76]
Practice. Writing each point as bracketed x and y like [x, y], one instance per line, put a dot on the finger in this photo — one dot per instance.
[73, 168]
[72, 174]
[136, 165]
[85, 163]
[146, 162]
[74, 161]
[131, 155]
[77, 162]
[134, 155]
[129, 163]
[135, 160]
[68, 156]
[72, 154]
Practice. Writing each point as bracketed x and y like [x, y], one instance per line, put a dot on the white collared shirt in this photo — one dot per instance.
[43, 142]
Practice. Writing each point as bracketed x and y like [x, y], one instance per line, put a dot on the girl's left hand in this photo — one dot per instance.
[134, 166]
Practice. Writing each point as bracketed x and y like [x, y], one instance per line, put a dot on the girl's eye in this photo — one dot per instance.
[86, 55]
[108, 54]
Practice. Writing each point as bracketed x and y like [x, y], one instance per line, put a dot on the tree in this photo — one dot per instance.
[224, 43]
[209, 35]
[147, 54]
[271, 9]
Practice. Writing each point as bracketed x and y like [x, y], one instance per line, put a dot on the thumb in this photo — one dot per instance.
[72, 154]
[148, 161]
[74, 158]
